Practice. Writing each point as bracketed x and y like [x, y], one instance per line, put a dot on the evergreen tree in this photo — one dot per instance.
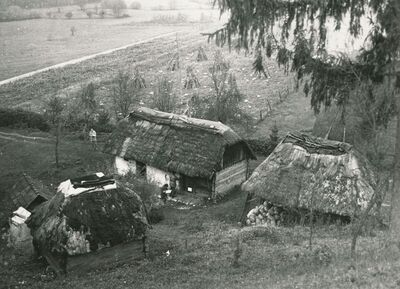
[301, 48]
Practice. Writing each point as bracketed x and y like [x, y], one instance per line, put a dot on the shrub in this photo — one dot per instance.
[136, 5]
[103, 122]
[69, 15]
[115, 5]
[164, 98]
[18, 118]
[155, 216]
[265, 146]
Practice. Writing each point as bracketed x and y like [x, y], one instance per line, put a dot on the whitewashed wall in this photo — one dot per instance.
[123, 166]
[156, 176]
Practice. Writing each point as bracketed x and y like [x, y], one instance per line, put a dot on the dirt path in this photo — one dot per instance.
[19, 137]
[81, 59]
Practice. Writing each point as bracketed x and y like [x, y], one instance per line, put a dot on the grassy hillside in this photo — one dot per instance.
[201, 243]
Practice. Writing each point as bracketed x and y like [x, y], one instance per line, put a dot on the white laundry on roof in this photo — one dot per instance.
[69, 189]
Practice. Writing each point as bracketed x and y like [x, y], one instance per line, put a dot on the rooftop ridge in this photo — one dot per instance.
[176, 120]
[317, 144]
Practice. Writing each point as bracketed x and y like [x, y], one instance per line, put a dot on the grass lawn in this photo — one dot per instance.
[201, 243]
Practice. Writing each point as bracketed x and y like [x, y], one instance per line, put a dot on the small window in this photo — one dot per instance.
[140, 169]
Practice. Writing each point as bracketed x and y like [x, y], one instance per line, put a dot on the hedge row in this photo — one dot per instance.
[19, 118]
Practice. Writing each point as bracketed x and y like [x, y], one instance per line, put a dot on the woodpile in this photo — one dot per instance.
[266, 213]
[201, 54]
[173, 63]
[191, 80]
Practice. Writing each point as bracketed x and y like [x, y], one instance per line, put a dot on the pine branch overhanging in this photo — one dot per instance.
[329, 78]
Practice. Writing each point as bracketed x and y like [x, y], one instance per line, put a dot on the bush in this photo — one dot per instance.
[18, 118]
[155, 216]
[164, 98]
[265, 146]
[115, 5]
[136, 5]
[103, 122]
[69, 15]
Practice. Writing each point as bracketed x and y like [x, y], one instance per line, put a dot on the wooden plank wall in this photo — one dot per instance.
[230, 177]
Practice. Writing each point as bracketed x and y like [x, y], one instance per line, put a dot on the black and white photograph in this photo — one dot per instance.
[199, 144]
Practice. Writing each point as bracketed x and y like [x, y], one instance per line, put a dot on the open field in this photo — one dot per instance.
[33, 44]
[260, 94]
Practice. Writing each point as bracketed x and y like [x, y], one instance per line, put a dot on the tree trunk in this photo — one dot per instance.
[395, 204]
[58, 131]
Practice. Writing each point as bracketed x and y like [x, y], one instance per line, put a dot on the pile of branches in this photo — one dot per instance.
[201, 54]
[173, 63]
[191, 80]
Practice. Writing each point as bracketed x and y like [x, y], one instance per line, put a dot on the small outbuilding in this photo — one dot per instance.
[196, 155]
[29, 193]
[86, 215]
[305, 172]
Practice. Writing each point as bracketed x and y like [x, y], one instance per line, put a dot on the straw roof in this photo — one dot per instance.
[305, 171]
[27, 189]
[83, 218]
[174, 143]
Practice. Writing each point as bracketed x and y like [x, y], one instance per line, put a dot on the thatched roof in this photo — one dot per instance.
[174, 143]
[305, 170]
[27, 189]
[85, 216]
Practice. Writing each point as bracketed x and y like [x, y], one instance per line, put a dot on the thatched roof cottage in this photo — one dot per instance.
[305, 171]
[86, 215]
[199, 155]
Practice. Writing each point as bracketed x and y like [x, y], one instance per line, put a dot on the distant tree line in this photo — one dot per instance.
[44, 3]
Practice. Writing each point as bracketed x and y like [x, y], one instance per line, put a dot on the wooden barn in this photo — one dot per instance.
[196, 155]
[306, 172]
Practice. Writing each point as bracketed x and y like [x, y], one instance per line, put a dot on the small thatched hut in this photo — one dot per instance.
[308, 172]
[85, 215]
[29, 193]
[198, 155]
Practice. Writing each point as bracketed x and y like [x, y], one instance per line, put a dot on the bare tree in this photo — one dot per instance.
[88, 104]
[55, 107]
[124, 94]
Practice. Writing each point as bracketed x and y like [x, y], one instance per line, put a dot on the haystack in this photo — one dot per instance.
[201, 54]
[307, 172]
[85, 215]
[191, 80]
[138, 80]
[174, 63]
